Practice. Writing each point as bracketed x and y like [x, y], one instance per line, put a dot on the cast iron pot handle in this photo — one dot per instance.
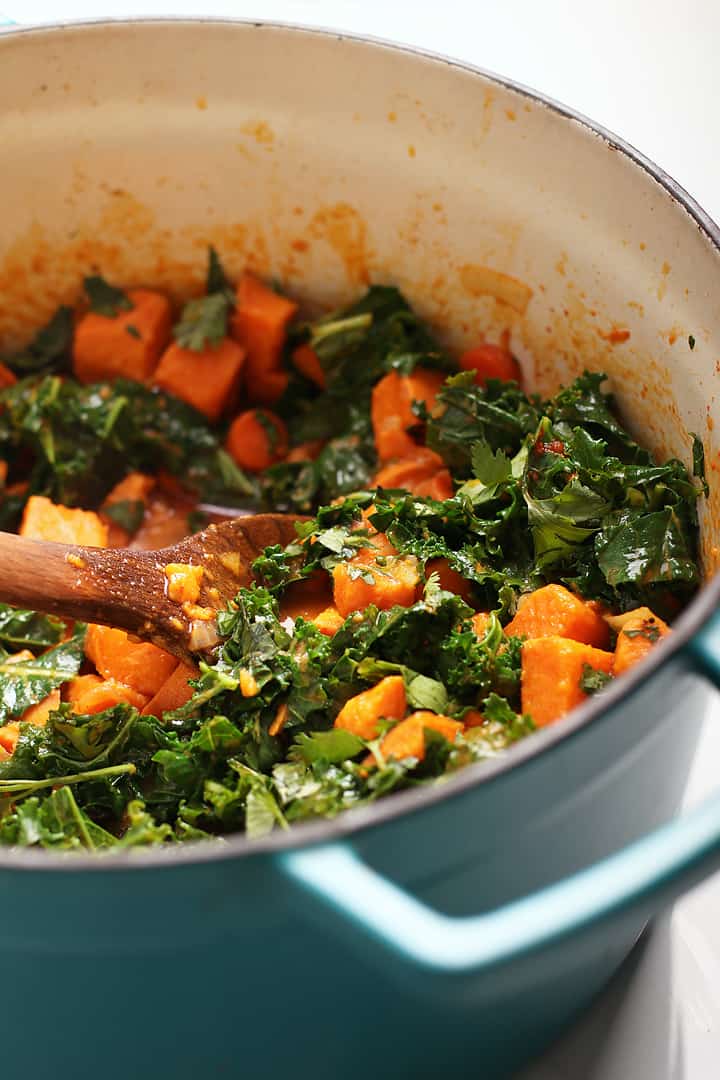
[638, 880]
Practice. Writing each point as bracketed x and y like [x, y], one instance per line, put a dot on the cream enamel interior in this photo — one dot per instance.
[328, 163]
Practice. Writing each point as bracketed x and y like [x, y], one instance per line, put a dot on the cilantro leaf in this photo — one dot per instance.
[105, 299]
[490, 467]
[203, 322]
[593, 680]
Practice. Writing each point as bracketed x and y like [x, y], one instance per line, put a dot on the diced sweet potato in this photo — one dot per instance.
[641, 629]
[46, 520]
[38, 714]
[407, 739]
[491, 362]
[391, 409]
[306, 599]
[439, 486]
[554, 611]
[207, 380]
[173, 693]
[127, 345]
[133, 488]
[395, 578]
[259, 323]
[552, 668]
[137, 664]
[257, 439]
[480, 622]
[9, 734]
[328, 621]
[450, 579]
[105, 695]
[307, 361]
[384, 701]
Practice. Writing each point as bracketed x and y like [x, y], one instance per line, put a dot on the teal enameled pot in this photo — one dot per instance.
[444, 932]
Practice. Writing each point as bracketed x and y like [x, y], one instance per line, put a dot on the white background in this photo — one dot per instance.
[649, 70]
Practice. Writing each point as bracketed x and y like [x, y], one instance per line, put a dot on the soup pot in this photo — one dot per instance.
[459, 927]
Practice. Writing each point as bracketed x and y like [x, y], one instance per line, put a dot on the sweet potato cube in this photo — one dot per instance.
[553, 611]
[105, 694]
[374, 577]
[207, 380]
[551, 670]
[46, 520]
[127, 345]
[391, 409]
[407, 739]
[640, 630]
[137, 664]
[259, 323]
[328, 621]
[307, 361]
[384, 701]
[174, 692]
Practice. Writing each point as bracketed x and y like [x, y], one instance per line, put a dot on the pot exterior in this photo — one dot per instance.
[226, 968]
[330, 163]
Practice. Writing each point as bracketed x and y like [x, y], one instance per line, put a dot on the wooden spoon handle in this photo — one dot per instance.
[90, 584]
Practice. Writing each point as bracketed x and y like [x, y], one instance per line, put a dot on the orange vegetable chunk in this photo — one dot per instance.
[257, 439]
[551, 670]
[9, 734]
[553, 611]
[328, 621]
[395, 579]
[491, 362]
[46, 520]
[450, 579]
[307, 361]
[480, 622]
[38, 714]
[640, 630]
[259, 323]
[174, 692]
[207, 380]
[384, 701]
[391, 409]
[407, 739]
[126, 345]
[134, 488]
[137, 664]
[105, 695]
[183, 582]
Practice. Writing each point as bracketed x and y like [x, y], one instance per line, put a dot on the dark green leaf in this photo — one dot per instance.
[27, 682]
[105, 299]
[203, 322]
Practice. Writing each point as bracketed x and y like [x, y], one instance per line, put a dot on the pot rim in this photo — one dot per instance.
[352, 822]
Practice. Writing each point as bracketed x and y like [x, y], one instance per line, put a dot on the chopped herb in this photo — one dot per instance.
[105, 299]
[133, 331]
[691, 341]
[203, 322]
[593, 680]
[127, 513]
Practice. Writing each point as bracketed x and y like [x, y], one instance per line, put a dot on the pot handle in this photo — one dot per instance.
[638, 880]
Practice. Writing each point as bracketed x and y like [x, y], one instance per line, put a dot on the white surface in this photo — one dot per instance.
[648, 71]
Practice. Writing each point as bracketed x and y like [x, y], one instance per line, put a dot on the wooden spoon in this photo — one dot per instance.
[129, 589]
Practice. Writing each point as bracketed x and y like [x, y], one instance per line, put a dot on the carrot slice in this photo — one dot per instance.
[129, 344]
[361, 713]
[46, 520]
[491, 362]
[207, 380]
[551, 670]
[257, 439]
